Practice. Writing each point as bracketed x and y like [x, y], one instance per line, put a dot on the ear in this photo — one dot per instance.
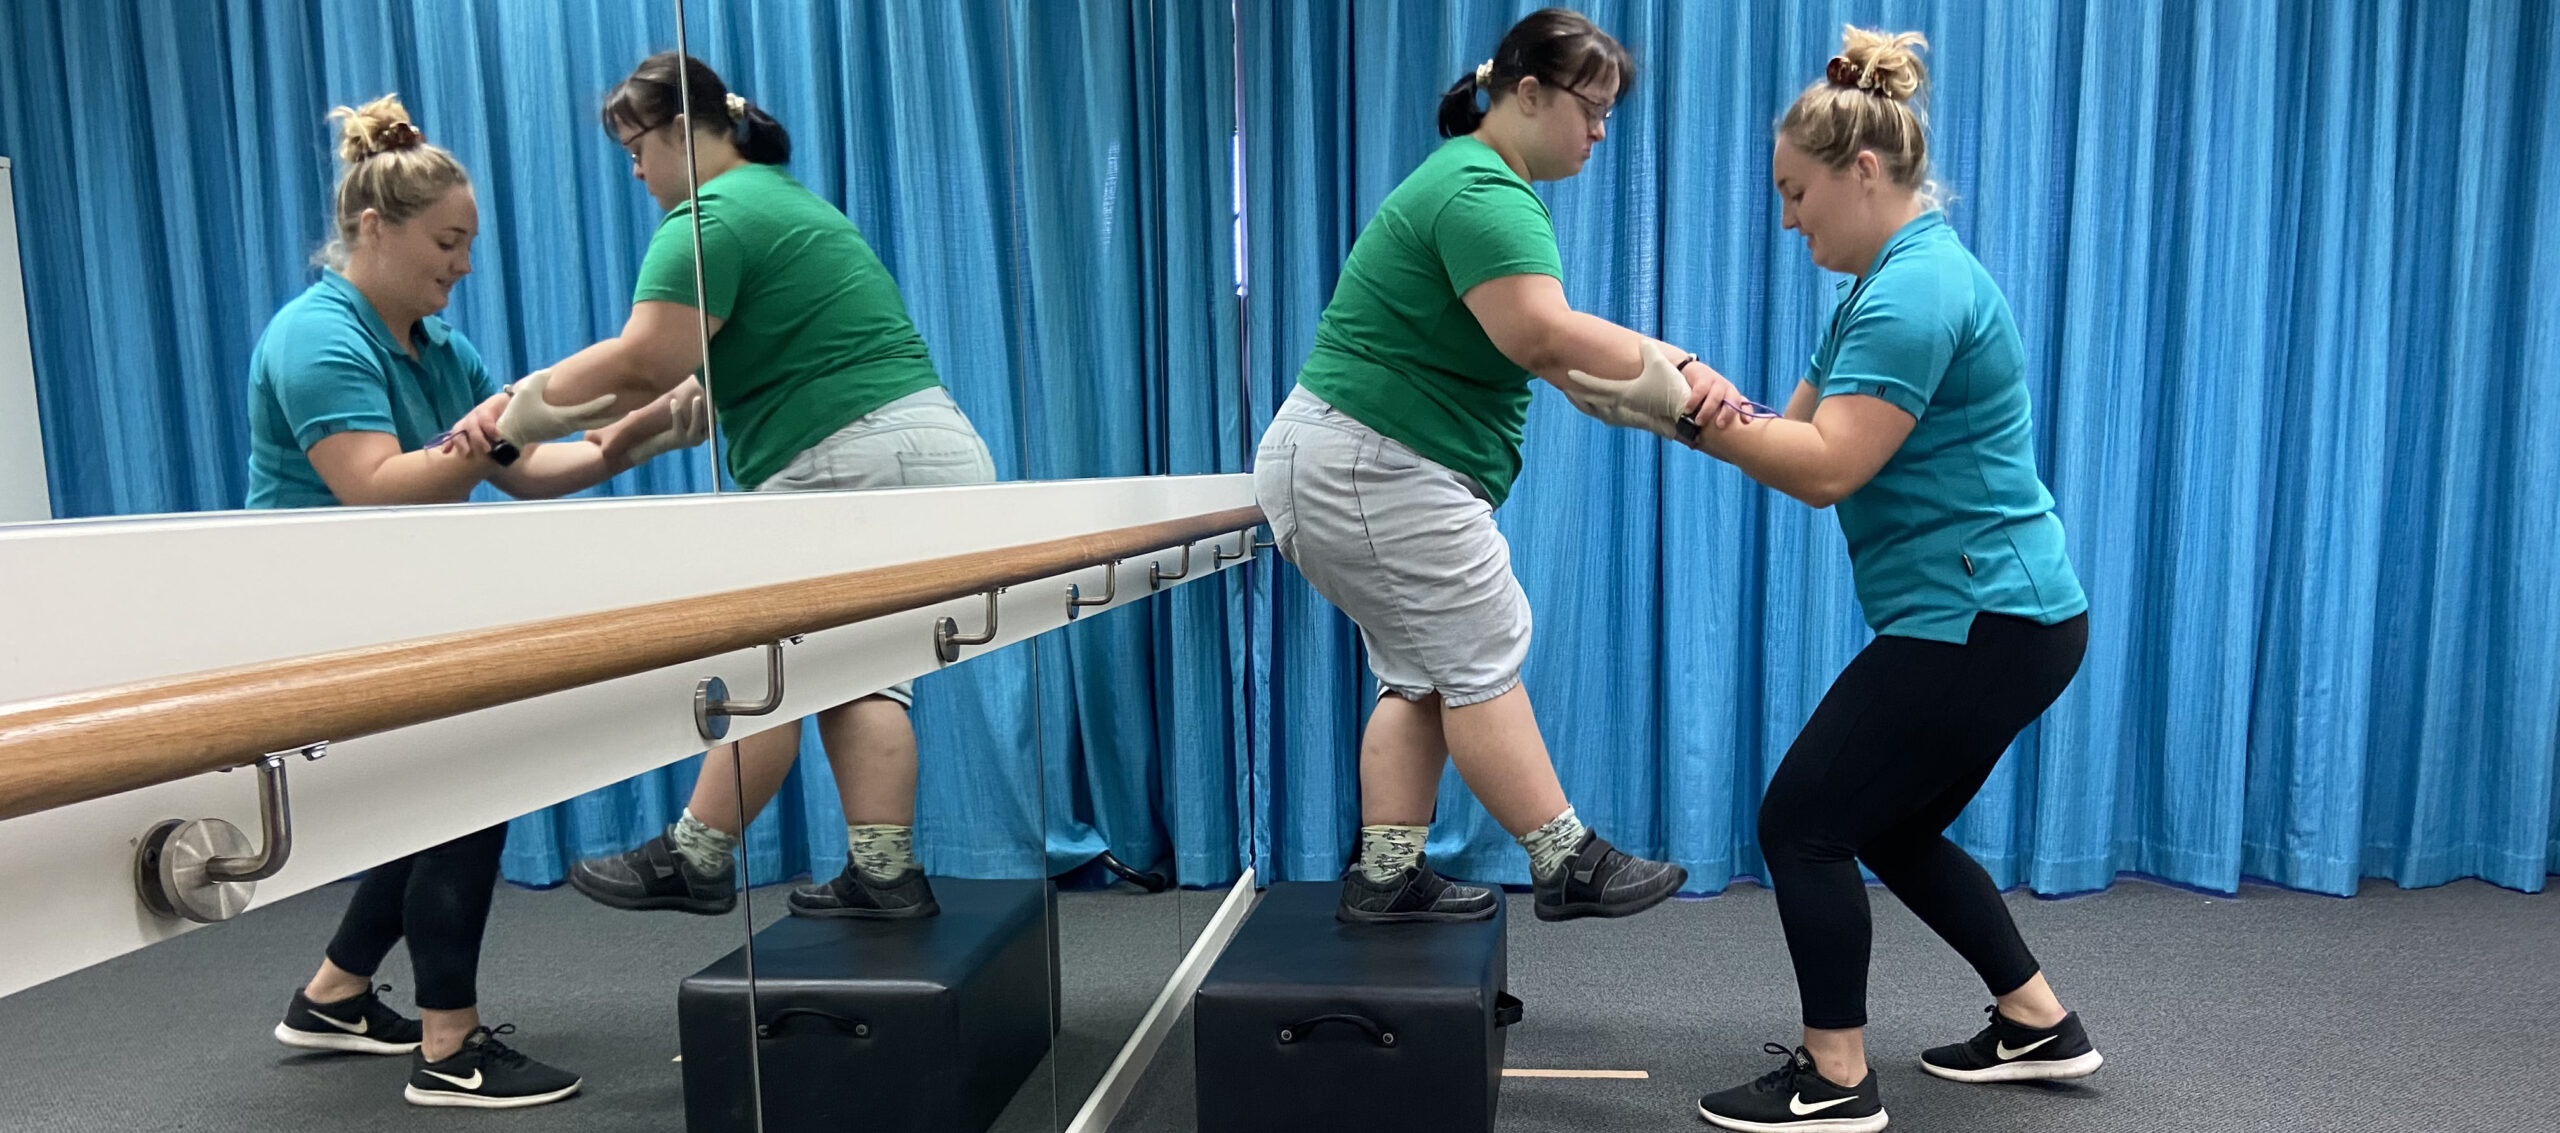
[1526, 91]
[369, 226]
[1869, 168]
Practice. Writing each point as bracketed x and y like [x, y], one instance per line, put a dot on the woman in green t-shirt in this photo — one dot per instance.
[821, 382]
[1381, 473]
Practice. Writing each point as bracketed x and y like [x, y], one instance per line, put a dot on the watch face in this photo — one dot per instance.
[504, 452]
[1686, 428]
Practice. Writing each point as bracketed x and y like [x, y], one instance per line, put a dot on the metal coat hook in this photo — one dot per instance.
[947, 638]
[202, 869]
[1076, 600]
[1156, 577]
[1265, 544]
[712, 707]
[1244, 546]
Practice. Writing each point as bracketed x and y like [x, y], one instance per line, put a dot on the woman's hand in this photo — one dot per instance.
[681, 418]
[687, 414]
[480, 425]
[1649, 401]
[1714, 406]
[529, 419]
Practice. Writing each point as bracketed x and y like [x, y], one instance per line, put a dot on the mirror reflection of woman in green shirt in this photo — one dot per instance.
[821, 383]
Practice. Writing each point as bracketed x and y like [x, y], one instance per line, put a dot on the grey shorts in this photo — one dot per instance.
[1406, 546]
[921, 440]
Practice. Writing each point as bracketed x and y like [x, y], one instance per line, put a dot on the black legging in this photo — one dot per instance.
[1895, 751]
[439, 898]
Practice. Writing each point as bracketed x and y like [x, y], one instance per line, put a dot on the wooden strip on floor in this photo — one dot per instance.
[1509, 1072]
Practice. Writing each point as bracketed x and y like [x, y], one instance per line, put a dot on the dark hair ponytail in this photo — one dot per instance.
[1459, 114]
[650, 99]
[761, 139]
[1559, 47]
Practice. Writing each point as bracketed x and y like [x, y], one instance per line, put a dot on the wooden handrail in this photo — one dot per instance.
[68, 749]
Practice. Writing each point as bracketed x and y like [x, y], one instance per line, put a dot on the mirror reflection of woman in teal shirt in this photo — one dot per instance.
[353, 378]
[350, 384]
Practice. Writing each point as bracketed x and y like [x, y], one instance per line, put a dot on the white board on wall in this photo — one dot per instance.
[24, 494]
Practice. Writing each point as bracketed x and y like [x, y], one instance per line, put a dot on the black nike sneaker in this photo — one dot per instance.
[851, 894]
[1796, 1098]
[487, 1074]
[1600, 881]
[361, 1025]
[654, 876]
[2008, 1051]
[1416, 893]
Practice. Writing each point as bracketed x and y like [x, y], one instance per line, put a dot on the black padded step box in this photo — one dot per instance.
[926, 1025]
[1306, 1024]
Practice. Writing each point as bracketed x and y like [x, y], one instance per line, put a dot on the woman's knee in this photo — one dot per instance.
[1792, 830]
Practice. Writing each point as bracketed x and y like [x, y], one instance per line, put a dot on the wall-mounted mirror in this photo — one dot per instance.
[232, 298]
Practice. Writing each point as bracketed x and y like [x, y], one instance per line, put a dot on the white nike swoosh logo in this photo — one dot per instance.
[2006, 1054]
[470, 1083]
[1797, 1106]
[358, 1027]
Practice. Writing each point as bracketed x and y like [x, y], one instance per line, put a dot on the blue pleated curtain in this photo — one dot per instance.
[2284, 275]
[1132, 367]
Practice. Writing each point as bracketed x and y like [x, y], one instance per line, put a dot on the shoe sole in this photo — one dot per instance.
[1808, 1125]
[1354, 916]
[461, 1100]
[2039, 1071]
[1678, 877]
[349, 1044]
[648, 904]
[908, 914]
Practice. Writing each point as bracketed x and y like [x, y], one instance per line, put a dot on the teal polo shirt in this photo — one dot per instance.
[326, 364]
[1957, 523]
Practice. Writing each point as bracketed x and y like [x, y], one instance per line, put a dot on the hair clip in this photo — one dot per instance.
[1841, 72]
[737, 104]
[1484, 75]
[396, 136]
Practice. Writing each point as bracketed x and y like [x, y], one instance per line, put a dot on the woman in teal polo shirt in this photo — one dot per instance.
[348, 384]
[1381, 473]
[822, 382]
[353, 378]
[1913, 424]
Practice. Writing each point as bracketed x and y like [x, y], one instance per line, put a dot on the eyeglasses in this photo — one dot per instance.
[1592, 111]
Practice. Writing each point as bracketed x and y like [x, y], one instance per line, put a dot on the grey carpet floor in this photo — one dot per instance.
[175, 1036]
[2398, 1010]
[2425, 1010]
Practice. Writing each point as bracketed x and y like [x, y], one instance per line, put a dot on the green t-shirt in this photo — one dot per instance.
[1400, 352]
[813, 334]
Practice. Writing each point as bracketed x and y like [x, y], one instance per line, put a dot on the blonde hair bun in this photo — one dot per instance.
[378, 127]
[1868, 100]
[388, 168]
[1883, 64]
